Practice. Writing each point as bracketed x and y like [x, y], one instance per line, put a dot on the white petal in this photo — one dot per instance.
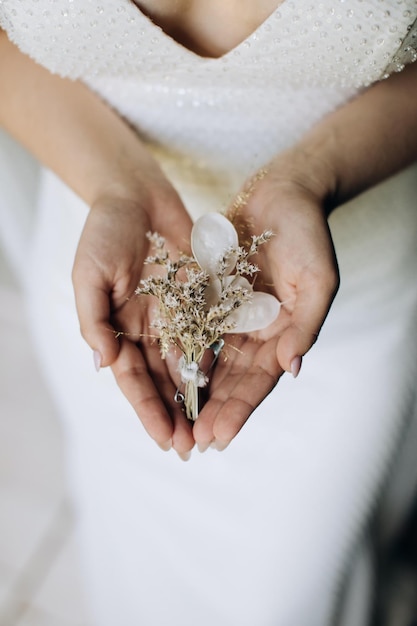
[211, 237]
[238, 281]
[259, 313]
[213, 290]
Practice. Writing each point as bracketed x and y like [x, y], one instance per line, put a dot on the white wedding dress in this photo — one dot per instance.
[269, 532]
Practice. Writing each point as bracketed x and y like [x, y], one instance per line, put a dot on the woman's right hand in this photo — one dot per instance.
[108, 267]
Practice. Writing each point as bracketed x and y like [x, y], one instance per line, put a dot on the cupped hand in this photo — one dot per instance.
[108, 267]
[298, 265]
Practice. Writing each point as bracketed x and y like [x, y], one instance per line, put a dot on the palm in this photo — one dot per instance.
[146, 380]
[108, 267]
[298, 266]
[242, 379]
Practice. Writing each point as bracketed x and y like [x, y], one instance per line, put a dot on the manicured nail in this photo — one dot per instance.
[166, 446]
[184, 456]
[202, 447]
[220, 445]
[296, 366]
[97, 360]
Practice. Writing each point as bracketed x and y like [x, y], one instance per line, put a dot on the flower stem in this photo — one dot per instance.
[191, 400]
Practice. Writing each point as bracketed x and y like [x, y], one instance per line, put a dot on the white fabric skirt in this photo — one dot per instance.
[262, 533]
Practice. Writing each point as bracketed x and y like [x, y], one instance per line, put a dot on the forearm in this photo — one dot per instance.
[67, 127]
[362, 143]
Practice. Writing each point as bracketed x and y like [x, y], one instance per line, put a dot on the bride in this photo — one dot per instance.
[145, 116]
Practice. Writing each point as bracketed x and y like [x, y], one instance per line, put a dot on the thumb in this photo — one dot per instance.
[311, 309]
[93, 308]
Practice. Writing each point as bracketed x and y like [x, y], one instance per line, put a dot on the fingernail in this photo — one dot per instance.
[166, 446]
[220, 445]
[184, 456]
[97, 360]
[296, 366]
[202, 447]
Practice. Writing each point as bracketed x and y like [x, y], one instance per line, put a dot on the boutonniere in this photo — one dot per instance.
[205, 296]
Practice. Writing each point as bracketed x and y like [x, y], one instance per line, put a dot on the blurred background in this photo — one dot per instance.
[40, 571]
[40, 564]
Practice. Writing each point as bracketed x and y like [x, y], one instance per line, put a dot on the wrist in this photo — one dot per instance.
[132, 177]
[309, 167]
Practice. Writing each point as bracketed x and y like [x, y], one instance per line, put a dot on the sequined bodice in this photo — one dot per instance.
[216, 120]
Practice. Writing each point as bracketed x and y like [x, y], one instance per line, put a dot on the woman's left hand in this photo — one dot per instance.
[298, 265]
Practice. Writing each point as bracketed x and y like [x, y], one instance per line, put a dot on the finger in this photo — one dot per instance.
[182, 438]
[132, 376]
[240, 392]
[182, 433]
[93, 308]
[222, 382]
[312, 304]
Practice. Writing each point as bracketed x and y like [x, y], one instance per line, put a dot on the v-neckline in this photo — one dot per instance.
[245, 43]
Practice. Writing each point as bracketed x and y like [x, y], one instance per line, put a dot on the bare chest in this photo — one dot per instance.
[210, 28]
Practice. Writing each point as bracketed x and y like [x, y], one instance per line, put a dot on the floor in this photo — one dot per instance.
[40, 569]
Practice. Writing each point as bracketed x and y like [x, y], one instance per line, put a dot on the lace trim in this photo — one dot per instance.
[406, 53]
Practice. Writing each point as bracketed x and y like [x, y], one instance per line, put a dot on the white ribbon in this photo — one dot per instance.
[191, 373]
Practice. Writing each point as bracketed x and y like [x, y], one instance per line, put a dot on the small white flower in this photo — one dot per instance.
[171, 301]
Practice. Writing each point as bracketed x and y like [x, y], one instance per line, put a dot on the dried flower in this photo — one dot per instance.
[194, 313]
